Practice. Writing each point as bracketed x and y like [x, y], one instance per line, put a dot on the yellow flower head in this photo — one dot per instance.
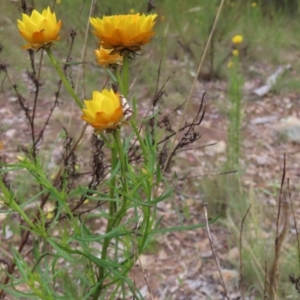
[235, 52]
[253, 4]
[237, 39]
[230, 64]
[104, 111]
[124, 32]
[50, 215]
[106, 58]
[39, 30]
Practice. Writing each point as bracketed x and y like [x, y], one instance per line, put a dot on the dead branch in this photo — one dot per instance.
[280, 235]
[214, 253]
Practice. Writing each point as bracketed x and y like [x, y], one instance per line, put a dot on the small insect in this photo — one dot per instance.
[127, 110]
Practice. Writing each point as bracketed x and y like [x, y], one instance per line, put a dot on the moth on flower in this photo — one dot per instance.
[127, 111]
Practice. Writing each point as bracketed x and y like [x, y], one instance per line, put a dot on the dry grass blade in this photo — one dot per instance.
[145, 278]
[214, 253]
[241, 256]
[83, 53]
[266, 281]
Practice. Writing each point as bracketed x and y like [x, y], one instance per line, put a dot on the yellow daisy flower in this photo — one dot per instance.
[237, 39]
[104, 111]
[124, 32]
[106, 58]
[39, 30]
[235, 52]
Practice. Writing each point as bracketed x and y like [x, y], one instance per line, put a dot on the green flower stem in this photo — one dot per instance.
[111, 75]
[114, 219]
[125, 76]
[141, 142]
[119, 80]
[123, 162]
[63, 78]
[147, 211]
[112, 205]
[112, 210]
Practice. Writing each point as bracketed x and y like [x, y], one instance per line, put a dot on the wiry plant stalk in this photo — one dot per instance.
[280, 235]
[241, 282]
[214, 253]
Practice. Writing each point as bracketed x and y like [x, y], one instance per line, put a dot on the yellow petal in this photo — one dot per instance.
[39, 29]
[104, 111]
[123, 32]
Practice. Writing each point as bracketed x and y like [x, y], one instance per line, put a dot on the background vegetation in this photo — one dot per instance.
[271, 33]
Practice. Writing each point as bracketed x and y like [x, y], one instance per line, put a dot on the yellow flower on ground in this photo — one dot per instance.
[237, 39]
[253, 4]
[124, 32]
[104, 111]
[235, 52]
[106, 58]
[39, 30]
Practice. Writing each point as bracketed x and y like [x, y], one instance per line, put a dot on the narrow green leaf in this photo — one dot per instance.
[180, 228]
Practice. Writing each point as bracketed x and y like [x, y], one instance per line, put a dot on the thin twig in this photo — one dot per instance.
[241, 256]
[209, 174]
[274, 272]
[280, 196]
[183, 117]
[72, 34]
[266, 281]
[214, 253]
[295, 222]
[188, 125]
[143, 65]
[83, 53]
